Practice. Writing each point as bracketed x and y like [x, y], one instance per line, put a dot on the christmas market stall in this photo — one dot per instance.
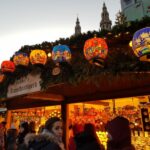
[91, 77]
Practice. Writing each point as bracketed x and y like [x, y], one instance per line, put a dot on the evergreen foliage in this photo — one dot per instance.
[120, 57]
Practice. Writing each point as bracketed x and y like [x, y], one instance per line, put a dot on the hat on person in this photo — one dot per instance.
[119, 129]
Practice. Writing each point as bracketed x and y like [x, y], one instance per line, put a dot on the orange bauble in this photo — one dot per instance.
[7, 66]
[95, 50]
[38, 57]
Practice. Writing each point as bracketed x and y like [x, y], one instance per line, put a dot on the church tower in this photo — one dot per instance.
[105, 23]
[77, 27]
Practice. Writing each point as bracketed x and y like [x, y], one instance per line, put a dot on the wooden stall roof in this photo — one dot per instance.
[125, 85]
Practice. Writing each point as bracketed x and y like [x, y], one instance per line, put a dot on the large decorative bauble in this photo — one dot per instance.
[61, 53]
[38, 57]
[95, 50]
[141, 44]
[21, 58]
[7, 66]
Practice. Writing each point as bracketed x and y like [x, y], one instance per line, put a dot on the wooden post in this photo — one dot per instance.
[8, 119]
[65, 118]
[114, 106]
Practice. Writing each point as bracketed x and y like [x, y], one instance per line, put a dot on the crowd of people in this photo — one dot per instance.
[50, 136]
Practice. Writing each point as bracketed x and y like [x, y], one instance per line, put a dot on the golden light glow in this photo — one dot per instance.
[49, 54]
[130, 43]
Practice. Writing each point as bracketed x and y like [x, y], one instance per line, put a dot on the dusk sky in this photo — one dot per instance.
[29, 22]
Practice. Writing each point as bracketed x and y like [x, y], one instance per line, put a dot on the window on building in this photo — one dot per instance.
[127, 2]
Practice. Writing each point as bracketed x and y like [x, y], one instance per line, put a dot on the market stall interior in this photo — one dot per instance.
[99, 112]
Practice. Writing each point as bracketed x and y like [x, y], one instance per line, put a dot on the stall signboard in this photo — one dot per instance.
[25, 85]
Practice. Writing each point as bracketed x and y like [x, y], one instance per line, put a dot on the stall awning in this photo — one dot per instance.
[106, 87]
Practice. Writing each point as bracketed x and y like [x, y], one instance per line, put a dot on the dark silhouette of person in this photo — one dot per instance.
[119, 134]
[32, 127]
[11, 139]
[88, 140]
[23, 131]
[76, 129]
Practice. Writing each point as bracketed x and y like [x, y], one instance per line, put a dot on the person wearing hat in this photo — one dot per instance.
[119, 134]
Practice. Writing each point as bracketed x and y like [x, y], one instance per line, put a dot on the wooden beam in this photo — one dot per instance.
[109, 95]
[46, 96]
[21, 103]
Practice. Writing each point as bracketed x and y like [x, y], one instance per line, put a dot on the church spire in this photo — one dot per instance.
[105, 23]
[77, 27]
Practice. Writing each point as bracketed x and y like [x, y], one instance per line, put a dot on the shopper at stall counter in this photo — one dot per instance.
[76, 129]
[49, 139]
[32, 127]
[88, 140]
[11, 138]
[119, 134]
[23, 131]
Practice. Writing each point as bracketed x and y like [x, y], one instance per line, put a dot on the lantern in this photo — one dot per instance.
[95, 50]
[7, 66]
[61, 53]
[21, 59]
[2, 77]
[141, 44]
[38, 57]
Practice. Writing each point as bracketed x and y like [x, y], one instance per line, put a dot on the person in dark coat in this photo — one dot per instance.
[49, 139]
[76, 129]
[32, 127]
[23, 131]
[119, 134]
[11, 139]
[88, 140]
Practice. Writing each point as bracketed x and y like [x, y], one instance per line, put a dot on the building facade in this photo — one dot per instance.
[138, 9]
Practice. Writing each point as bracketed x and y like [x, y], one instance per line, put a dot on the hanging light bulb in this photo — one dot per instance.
[49, 54]
[130, 43]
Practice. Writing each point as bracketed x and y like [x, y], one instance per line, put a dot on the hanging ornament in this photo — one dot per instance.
[95, 51]
[21, 58]
[56, 70]
[38, 57]
[60, 54]
[7, 66]
[141, 44]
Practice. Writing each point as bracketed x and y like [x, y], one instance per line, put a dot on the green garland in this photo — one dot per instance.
[120, 58]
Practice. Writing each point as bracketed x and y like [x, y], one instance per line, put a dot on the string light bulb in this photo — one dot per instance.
[49, 54]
